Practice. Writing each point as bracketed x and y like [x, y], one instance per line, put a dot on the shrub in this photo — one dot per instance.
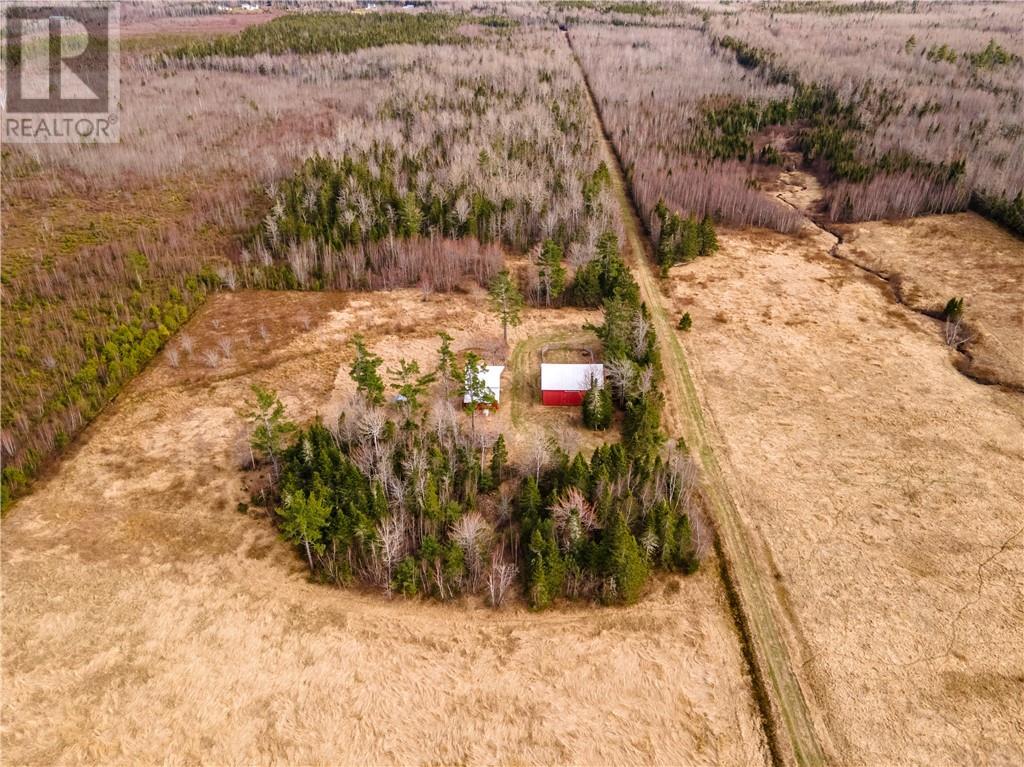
[954, 309]
[405, 581]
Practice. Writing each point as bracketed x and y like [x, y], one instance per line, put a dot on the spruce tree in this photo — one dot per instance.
[409, 384]
[529, 504]
[474, 388]
[410, 217]
[551, 270]
[499, 457]
[270, 428]
[708, 238]
[689, 241]
[303, 518]
[578, 474]
[364, 372]
[537, 574]
[597, 407]
[446, 371]
[506, 301]
[624, 563]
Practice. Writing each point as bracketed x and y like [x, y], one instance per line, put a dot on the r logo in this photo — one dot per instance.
[61, 71]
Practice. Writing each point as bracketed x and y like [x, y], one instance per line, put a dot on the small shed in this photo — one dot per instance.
[565, 384]
[492, 380]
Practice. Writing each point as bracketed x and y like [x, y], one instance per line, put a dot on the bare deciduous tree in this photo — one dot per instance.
[391, 538]
[621, 374]
[540, 454]
[472, 533]
[500, 578]
[574, 517]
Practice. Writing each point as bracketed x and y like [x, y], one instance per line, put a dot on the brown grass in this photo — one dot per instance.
[146, 620]
[939, 257]
[886, 489]
[208, 24]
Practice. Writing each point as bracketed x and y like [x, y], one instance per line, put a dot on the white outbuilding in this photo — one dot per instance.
[492, 380]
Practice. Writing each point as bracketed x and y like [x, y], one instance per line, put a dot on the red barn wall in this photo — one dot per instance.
[561, 397]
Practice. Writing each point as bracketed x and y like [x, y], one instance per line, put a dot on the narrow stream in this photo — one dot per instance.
[964, 364]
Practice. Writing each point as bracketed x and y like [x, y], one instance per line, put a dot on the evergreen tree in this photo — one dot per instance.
[530, 503]
[364, 372]
[689, 241]
[506, 301]
[499, 457]
[446, 370]
[686, 555]
[474, 388]
[624, 563]
[270, 428]
[954, 309]
[431, 503]
[641, 428]
[707, 237]
[586, 285]
[597, 407]
[405, 580]
[410, 217]
[545, 567]
[410, 385]
[537, 574]
[551, 270]
[578, 474]
[303, 518]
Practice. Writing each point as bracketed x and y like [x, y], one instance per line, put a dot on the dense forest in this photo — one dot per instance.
[683, 140]
[936, 100]
[918, 115]
[495, 149]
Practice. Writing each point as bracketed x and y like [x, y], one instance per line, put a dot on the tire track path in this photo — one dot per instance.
[791, 726]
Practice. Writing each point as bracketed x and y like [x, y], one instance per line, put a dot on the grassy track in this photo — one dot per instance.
[791, 723]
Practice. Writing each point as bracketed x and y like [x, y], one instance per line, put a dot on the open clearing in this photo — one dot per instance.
[144, 616]
[884, 485]
[934, 258]
[207, 24]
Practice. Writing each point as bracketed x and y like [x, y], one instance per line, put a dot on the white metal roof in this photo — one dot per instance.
[568, 377]
[492, 380]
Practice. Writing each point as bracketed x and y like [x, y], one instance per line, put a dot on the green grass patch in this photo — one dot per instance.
[329, 33]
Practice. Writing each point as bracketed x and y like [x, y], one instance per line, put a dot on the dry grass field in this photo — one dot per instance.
[885, 486]
[147, 621]
[934, 258]
[191, 26]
